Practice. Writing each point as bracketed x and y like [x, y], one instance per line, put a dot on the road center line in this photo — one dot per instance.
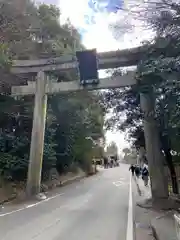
[30, 205]
[130, 230]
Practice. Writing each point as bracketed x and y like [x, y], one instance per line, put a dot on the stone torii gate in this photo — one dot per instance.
[43, 87]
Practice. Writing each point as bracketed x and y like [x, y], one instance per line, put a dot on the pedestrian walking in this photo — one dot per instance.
[137, 171]
[105, 162]
[132, 169]
[145, 175]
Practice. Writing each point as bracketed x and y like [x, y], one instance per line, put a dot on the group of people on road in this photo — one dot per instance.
[110, 162]
[138, 171]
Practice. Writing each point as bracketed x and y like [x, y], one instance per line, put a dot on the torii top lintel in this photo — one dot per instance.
[112, 59]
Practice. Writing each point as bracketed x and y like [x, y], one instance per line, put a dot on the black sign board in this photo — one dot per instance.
[88, 67]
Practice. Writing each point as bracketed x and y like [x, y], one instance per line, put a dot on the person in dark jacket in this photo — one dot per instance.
[105, 162]
[137, 171]
[132, 169]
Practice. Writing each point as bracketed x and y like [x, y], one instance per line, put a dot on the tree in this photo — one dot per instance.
[130, 155]
[160, 64]
[112, 149]
[127, 102]
[71, 118]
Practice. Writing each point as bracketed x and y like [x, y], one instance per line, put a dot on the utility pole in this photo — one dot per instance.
[159, 185]
[37, 137]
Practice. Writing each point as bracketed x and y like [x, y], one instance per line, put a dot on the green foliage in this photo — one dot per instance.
[159, 68]
[32, 32]
[112, 149]
[76, 122]
[13, 160]
[5, 60]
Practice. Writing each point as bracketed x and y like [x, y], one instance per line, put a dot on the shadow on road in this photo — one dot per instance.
[137, 185]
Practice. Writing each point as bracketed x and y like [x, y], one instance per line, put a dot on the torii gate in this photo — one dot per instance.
[42, 87]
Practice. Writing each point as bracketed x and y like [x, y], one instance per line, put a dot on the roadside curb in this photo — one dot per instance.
[71, 180]
[159, 220]
[164, 226]
[8, 200]
[142, 215]
[61, 184]
[74, 179]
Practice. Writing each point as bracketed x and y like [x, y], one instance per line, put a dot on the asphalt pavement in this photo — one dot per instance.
[94, 208]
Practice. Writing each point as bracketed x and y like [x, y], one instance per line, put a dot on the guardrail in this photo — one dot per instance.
[177, 225]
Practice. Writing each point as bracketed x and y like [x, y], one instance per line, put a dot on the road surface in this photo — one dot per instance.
[94, 208]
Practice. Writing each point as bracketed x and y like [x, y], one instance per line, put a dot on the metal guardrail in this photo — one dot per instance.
[177, 225]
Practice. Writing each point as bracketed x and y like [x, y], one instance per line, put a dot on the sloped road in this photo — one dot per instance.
[95, 208]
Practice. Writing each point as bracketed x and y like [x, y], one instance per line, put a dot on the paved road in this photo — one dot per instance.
[95, 208]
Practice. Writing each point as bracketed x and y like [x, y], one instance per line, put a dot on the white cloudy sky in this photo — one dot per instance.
[94, 26]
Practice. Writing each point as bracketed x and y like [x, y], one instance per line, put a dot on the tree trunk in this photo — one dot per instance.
[159, 185]
[166, 146]
[172, 171]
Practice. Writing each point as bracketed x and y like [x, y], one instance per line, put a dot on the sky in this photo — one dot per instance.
[94, 20]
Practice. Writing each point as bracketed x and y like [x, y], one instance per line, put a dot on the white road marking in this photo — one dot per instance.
[130, 229]
[30, 205]
[118, 183]
[121, 182]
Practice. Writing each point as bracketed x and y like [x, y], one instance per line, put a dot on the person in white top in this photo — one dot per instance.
[145, 174]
